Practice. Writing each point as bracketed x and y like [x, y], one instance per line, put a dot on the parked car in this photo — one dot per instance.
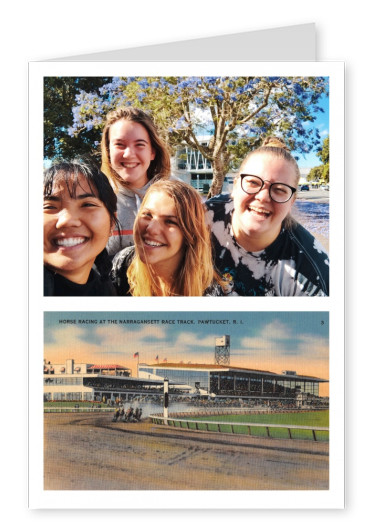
[304, 188]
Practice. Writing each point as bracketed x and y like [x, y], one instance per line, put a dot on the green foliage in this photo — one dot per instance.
[323, 153]
[315, 174]
[237, 112]
[59, 98]
[321, 173]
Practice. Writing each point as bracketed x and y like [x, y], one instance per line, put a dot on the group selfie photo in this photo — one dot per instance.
[186, 186]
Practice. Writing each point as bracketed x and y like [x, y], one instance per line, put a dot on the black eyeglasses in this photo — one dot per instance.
[278, 192]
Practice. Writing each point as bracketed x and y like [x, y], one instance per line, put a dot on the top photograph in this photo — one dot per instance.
[186, 186]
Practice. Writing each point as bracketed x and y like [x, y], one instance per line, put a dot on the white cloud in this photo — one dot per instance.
[276, 339]
[313, 347]
[116, 335]
[68, 336]
[187, 347]
[117, 339]
[276, 331]
[109, 338]
[188, 338]
[268, 336]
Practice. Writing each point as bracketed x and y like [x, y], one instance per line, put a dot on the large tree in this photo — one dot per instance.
[237, 112]
[59, 98]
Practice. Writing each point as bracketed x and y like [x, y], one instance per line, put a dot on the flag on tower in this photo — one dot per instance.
[135, 355]
[156, 358]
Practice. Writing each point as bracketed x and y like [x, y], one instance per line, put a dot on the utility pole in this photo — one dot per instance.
[165, 400]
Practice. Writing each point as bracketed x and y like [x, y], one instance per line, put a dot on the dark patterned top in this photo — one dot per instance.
[295, 264]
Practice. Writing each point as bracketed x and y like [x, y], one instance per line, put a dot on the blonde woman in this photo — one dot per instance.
[172, 255]
[134, 156]
[260, 250]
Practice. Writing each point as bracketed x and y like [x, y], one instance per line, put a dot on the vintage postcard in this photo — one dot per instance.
[194, 180]
[193, 401]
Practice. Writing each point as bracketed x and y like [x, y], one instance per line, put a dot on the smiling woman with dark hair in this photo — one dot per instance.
[79, 213]
[260, 249]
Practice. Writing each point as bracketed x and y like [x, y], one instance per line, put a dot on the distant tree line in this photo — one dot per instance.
[321, 173]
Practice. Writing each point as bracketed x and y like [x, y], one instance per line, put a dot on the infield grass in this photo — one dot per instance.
[304, 418]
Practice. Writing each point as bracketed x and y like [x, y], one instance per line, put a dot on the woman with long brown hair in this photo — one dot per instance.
[134, 156]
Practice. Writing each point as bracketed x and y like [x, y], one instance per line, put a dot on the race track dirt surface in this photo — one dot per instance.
[90, 452]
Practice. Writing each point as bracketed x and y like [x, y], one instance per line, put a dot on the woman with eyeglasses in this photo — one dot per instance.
[260, 249]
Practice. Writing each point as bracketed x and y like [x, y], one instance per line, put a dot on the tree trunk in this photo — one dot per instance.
[220, 167]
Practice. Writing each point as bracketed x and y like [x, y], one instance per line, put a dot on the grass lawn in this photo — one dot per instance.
[304, 418]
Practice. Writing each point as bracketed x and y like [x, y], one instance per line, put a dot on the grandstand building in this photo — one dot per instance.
[227, 381]
[90, 382]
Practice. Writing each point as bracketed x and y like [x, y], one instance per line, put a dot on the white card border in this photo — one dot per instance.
[334, 497]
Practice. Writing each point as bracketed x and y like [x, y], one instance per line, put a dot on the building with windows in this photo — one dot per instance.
[90, 382]
[227, 381]
[189, 165]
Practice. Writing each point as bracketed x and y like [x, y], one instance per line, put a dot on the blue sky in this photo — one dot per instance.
[311, 160]
[272, 341]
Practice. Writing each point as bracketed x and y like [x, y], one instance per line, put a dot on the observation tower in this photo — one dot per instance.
[222, 350]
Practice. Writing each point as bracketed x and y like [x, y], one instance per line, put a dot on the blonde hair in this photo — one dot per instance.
[196, 272]
[159, 168]
[276, 148]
